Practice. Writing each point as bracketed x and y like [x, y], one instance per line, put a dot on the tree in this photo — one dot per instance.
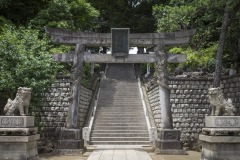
[76, 14]
[20, 12]
[206, 16]
[229, 13]
[25, 62]
[133, 14]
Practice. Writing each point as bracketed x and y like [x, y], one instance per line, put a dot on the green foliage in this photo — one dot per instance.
[197, 59]
[206, 17]
[173, 18]
[25, 60]
[76, 14]
[133, 14]
[20, 12]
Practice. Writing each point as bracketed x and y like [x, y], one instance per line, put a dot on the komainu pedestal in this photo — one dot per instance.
[18, 138]
[169, 142]
[221, 138]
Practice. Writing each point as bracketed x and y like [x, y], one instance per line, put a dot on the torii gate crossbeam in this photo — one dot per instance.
[63, 36]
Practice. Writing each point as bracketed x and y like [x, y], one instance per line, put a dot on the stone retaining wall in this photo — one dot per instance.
[189, 102]
[188, 99]
[54, 110]
[231, 89]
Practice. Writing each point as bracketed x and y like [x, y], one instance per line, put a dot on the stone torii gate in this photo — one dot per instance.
[82, 40]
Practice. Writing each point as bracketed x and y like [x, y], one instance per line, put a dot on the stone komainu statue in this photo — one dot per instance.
[220, 105]
[21, 102]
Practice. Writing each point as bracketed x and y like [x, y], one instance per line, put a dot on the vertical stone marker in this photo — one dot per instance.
[18, 136]
[120, 42]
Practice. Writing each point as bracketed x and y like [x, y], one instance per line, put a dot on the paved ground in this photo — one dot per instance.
[192, 155]
[122, 153]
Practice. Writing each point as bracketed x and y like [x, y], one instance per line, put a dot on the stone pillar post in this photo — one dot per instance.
[140, 50]
[71, 137]
[168, 138]
[92, 68]
[148, 70]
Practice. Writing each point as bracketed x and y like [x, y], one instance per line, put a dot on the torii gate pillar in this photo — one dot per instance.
[71, 136]
[169, 138]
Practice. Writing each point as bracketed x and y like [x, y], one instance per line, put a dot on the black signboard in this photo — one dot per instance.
[120, 42]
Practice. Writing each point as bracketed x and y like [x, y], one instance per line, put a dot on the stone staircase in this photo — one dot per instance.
[119, 117]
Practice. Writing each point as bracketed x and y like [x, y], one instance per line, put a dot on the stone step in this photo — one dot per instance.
[117, 110]
[119, 139]
[120, 92]
[118, 104]
[120, 113]
[121, 121]
[119, 84]
[125, 108]
[119, 124]
[115, 100]
[119, 118]
[120, 107]
[119, 89]
[124, 98]
[119, 127]
[120, 135]
[114, 108]
[142, 131]
[130, 106]
[137, 107]
[119, 142]
[118, 96]
[110, 117]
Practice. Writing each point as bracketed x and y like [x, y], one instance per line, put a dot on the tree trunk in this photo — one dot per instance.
[218, 66]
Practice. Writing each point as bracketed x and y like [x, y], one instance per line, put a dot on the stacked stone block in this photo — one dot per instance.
[54, 108]
[190, 103]
[153, 97]
[85, 100]
[231, 89]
